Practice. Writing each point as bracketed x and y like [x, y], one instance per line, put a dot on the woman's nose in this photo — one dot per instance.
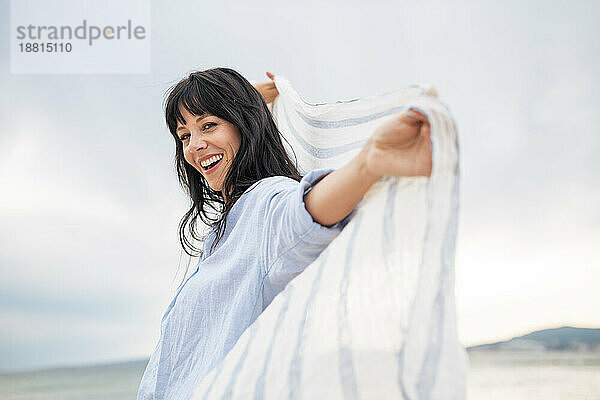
[197, 143]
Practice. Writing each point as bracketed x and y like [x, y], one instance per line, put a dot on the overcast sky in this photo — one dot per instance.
[90, 201]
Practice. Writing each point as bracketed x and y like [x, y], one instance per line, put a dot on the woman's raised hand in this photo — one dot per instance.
[268, 90]
[401, 147]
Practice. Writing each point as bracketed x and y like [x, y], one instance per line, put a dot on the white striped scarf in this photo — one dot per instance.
[373, 317]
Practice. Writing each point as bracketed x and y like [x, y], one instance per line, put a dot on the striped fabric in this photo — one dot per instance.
[374, 316]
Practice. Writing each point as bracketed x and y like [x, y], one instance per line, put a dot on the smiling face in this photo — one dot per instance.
[208, 139]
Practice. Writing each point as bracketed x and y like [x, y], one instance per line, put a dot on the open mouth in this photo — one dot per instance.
[211, 167]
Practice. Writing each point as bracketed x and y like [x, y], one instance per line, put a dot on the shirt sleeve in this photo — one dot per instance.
[292, 239]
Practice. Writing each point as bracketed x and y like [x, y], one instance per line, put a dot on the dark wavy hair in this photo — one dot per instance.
[226, 94]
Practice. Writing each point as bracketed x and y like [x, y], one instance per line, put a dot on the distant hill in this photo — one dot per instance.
[565, 338]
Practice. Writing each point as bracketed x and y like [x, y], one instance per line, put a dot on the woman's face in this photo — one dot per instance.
[209, 140]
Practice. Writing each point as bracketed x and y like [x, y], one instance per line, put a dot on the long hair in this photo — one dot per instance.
[226, 94]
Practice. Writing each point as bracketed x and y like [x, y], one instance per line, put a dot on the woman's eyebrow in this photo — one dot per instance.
[200, 118]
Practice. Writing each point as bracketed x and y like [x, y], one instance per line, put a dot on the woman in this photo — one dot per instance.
[271, 224]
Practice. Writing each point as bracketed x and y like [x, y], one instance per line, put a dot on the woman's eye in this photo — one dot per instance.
[207, 125]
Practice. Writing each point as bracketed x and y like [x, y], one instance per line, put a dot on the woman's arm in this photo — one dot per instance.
[338, 193]
[401, 147]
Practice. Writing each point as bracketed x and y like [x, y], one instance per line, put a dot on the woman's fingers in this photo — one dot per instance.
[268, 90]
[413, 117]
[432, 91]
[413, 113]
[426, 131]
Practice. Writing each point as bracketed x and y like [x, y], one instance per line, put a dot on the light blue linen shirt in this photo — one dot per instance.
[269, 239]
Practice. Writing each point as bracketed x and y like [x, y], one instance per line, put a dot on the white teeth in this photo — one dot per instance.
[211, 160]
